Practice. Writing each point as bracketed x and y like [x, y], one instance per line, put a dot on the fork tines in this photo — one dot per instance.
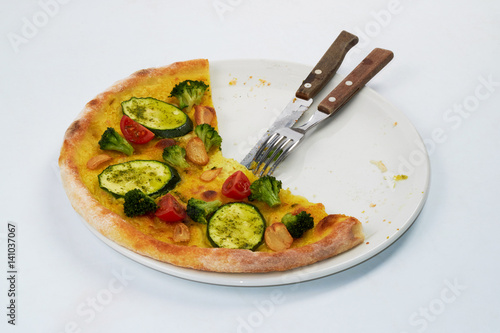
[272, 152]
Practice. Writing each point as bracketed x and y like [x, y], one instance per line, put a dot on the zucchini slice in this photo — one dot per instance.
[154, 178]
[236, 225]
[161, 118]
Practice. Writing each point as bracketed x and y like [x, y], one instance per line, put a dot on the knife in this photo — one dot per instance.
[320, 75]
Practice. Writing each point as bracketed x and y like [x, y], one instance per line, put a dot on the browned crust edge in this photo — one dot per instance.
[345, 232]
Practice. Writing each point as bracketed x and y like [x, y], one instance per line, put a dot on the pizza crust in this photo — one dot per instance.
[339, 233]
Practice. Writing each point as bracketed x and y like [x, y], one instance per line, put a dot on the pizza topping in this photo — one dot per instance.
[209, 195]
[200, 211]
[175, 156]
[169, 209]
[277, 237]
[203, 114]
[154, 178]
[164, 143]
[135, 132]
[163, 119]
[236, 225]
[137, 203]
[97, 161]
[188, 93]
[181, 233]
[209, 136]
[298, 224]
[236, 186]
[111, 140]
[195, 151]
[209, 175]
[266, 189]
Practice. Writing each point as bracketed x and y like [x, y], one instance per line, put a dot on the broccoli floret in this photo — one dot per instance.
[175, 155]
[297, 224]
[209, 136]
[200, 211]
[189, 93]
[137, 203]
[266, 189]
[111, 140]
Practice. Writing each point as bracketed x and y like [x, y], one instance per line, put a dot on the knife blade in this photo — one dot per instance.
[319, 76]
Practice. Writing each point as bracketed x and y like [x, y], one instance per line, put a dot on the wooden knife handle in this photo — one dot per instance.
[327, 66]
[368, 68]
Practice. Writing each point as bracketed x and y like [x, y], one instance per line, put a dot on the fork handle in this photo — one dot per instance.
[368, 68]
[327, 66]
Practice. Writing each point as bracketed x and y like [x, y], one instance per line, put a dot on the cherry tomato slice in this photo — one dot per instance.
[236, 186]
[135, 132]
[169, 209]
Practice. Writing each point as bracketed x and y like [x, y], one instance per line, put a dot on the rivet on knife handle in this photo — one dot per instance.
[367, 69]
[327, 66]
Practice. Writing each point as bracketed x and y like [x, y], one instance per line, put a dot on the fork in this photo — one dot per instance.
[280, 144]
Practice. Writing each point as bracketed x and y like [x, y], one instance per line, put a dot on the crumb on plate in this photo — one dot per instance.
[380, 165]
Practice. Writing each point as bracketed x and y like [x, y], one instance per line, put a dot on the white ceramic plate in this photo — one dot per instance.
[333, 165]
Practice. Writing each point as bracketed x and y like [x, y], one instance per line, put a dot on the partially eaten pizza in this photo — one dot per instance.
[143, 165]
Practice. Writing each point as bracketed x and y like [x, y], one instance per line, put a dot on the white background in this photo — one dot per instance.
[441, 276]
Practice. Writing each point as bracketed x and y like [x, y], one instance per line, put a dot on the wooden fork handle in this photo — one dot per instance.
[327, 66]
[368, 68]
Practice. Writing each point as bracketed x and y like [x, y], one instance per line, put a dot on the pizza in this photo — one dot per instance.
[143, 165]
